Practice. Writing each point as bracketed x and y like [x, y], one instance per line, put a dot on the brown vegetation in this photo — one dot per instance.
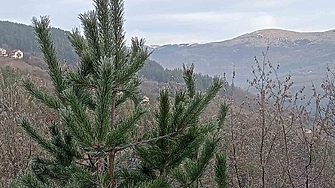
[16, 147]
[274, 141]
[276, 138]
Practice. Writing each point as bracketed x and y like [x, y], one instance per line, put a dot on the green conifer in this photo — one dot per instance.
[182, 157]
[88, 143]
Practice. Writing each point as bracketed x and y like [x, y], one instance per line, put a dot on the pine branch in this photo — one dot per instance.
[71, 122]
[120, 132]
[161, 183]
[29, 181]
[129, 91]
[130, 69]
[137, 45]
[221, 171]
[189, 78]
[222, 114]
[104, 99]
[91, 31]
[87, 85]
[195, 169]
[164, 114]
[180, 102]
[131, 177]
[42, 31]
[41, 95]
[79, 43]
[200, 101]
[121, 148]
[79, 113]
[118, 35]
[26, 125]
[104, 25]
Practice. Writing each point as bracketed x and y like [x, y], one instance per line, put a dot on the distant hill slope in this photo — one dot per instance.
[152, 71]
[20, 36]
[304, 55]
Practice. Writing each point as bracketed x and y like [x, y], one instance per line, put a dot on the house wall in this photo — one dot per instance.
[3, 52]
[17, 55]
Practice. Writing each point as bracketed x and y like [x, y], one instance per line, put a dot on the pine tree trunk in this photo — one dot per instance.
[112, 153]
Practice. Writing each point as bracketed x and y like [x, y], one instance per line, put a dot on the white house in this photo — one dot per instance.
[16, 54]
[3, 52]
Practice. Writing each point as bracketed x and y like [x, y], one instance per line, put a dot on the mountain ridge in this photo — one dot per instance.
[259, 33]
[305, 55]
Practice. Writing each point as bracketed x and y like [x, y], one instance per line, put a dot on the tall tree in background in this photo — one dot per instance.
[87, 146]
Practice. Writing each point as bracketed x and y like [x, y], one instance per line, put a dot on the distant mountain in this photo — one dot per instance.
[304, 55]
[20, 36]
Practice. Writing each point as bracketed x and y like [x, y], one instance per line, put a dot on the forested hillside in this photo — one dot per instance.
[20, 36]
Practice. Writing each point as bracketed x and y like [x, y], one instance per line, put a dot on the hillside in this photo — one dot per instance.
[153, 74]
[26, 68]
[20, 36]
[304, 55]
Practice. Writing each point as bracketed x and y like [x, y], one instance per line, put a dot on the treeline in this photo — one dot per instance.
[20, 36]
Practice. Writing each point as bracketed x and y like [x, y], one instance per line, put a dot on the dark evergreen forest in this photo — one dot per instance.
[20, 36]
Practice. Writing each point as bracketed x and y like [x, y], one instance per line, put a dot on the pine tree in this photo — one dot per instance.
[88, 144]
[183, 157]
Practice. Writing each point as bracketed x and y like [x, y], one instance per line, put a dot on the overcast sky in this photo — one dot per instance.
[186, 21]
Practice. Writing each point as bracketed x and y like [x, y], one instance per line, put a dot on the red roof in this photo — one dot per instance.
[13, 51]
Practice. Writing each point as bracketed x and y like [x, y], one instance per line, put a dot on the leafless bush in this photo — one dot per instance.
[275, 139]
[16, 148]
